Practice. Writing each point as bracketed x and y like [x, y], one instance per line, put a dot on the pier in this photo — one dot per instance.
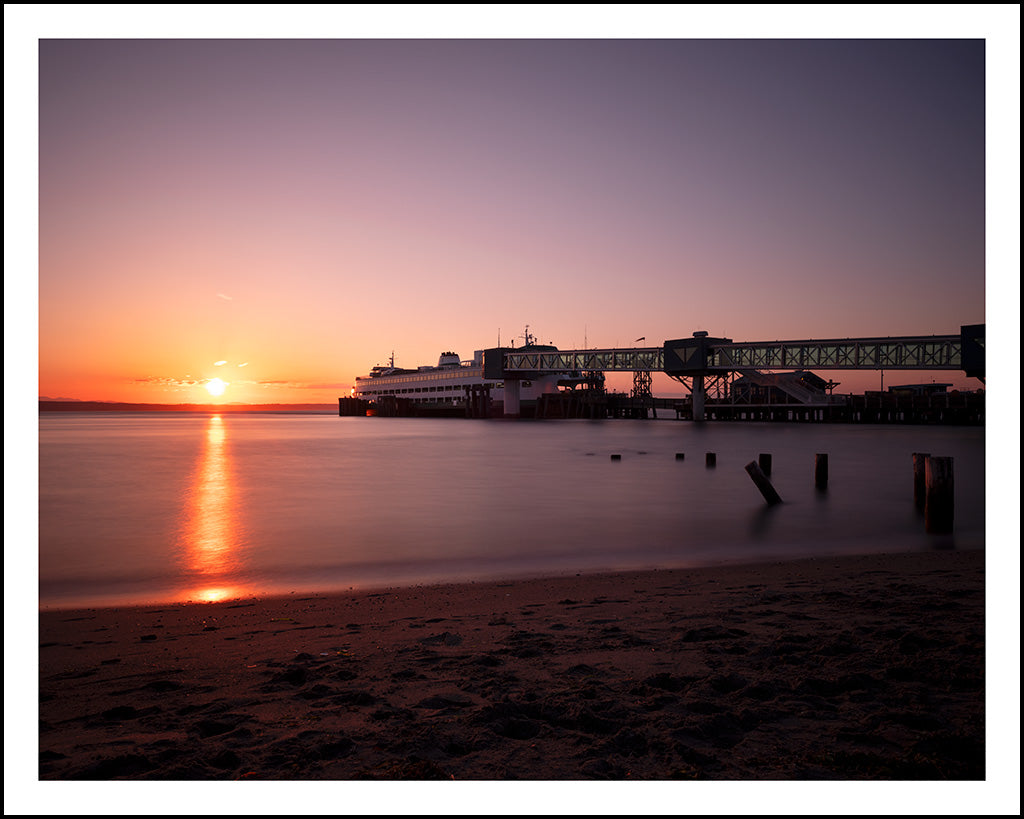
[727, 381]
[710, 368]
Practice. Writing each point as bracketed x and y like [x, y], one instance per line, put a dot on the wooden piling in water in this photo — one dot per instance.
[821, 470]
[938, 501]
[764, 460]
[920, 458]
[680, 456]
[616, 457]
[710, 459]
[763, 484]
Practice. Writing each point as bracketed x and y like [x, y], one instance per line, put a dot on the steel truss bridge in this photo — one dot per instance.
[691, 360]
[890, 353]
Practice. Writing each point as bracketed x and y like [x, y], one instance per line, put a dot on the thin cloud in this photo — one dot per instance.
[303, 385]
[167, 381]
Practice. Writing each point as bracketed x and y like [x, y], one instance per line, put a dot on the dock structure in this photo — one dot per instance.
[727, 381]
[870, 408]
[707, 366]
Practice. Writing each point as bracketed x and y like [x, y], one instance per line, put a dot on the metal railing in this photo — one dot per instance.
[630, 359]
[906, 353]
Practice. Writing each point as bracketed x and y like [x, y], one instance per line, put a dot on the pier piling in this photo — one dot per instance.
[764, 460]
[938, 503]
[710, 459]
[761, 481]
[920, 458]
[821, 470]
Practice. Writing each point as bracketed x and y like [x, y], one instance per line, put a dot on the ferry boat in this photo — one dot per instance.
[453, 384]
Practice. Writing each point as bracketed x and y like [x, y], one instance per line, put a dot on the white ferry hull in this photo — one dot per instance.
[452, 388]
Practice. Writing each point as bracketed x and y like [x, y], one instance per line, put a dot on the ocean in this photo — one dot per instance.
[171, 507]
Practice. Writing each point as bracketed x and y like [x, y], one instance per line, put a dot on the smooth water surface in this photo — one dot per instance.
[156, 507]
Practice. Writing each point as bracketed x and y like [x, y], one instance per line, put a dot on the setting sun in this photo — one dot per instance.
[216, 386]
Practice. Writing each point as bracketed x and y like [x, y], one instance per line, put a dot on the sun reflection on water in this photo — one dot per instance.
[212, 536]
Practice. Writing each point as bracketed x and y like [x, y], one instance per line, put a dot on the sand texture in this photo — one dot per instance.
[836, 668]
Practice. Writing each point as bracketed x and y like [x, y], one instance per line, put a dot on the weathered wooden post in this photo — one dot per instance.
[761, 482]
[710, 459]
[680, 456]
[616, 457]
[764, 460]
[938, 499]
[919, 467]
[821, 470]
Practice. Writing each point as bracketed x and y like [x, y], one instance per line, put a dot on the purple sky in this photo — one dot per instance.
[308, 206]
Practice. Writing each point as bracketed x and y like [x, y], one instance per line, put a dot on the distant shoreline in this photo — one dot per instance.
[112, 406]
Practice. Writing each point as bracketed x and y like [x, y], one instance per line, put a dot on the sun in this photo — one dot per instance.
[216, 387]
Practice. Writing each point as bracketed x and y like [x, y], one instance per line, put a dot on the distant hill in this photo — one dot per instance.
[111, 406]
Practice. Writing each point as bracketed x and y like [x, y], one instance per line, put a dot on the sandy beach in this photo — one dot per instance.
[851, 668]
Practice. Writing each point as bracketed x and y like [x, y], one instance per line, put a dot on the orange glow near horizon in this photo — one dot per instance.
[212, 537]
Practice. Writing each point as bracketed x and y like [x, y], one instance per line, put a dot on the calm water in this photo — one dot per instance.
[162, 507]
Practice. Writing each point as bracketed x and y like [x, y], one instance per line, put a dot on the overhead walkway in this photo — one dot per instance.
[692, 360]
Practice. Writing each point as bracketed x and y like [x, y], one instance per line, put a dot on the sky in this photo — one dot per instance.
[284, 214]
